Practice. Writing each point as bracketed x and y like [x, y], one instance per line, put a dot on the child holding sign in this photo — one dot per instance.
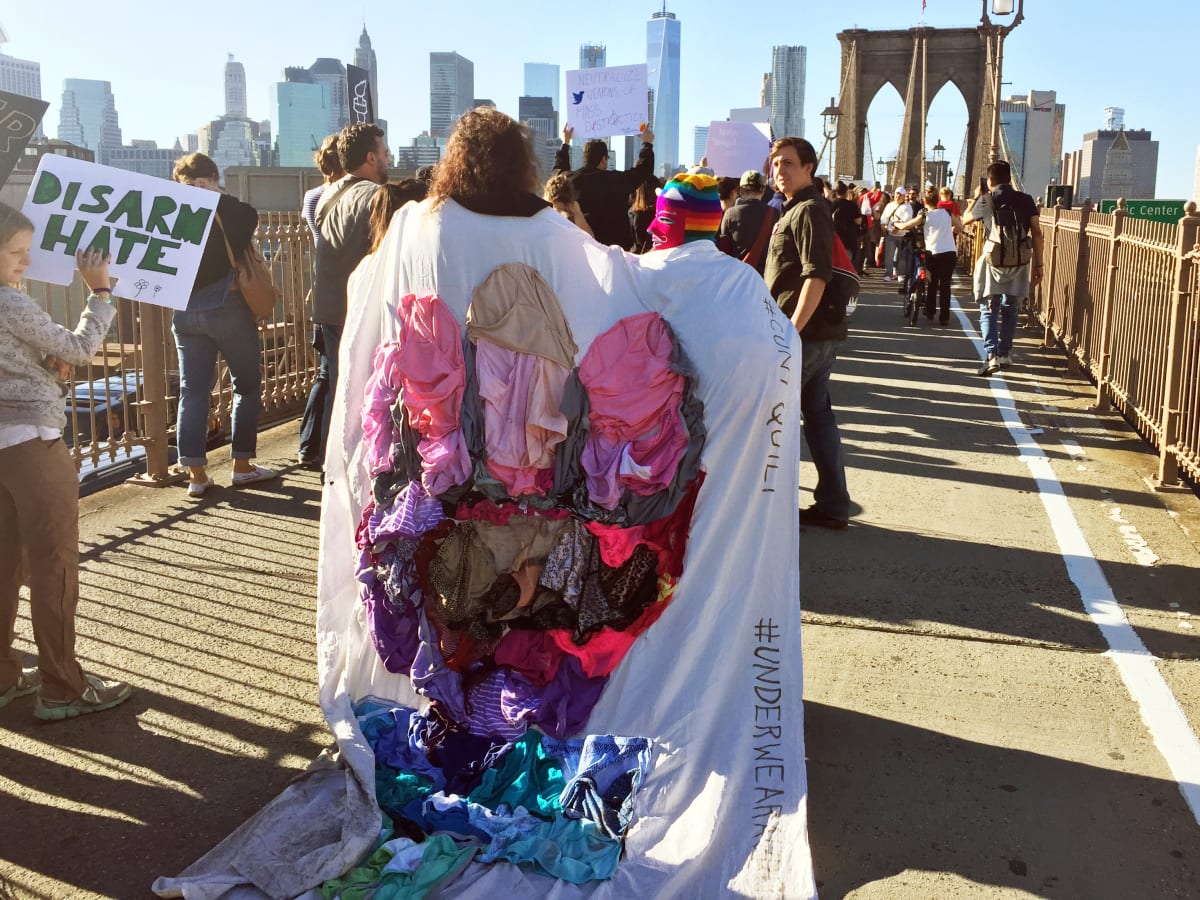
[39, 491]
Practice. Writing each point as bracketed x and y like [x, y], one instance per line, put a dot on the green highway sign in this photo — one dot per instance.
[1170, 211]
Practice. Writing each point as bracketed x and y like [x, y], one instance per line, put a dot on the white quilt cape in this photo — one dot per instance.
[716, 683]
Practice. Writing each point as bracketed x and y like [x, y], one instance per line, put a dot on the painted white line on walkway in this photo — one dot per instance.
[1160, 711]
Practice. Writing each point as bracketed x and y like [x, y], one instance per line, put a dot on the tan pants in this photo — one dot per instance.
[39, 510]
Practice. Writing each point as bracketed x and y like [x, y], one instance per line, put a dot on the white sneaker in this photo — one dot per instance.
[990, 367]
[255, 475]
[887, 277]
[1004, 361]
[196, 489]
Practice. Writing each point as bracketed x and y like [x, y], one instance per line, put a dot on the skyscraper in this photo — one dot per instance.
[364, 58]
[235, 89]
[20, 76]
[592, 56]
[662, 70]
[451, 91]
[88, 117]
[701, 142]
[538, 115]
[1125, 161]
[784, 90]
[300, 113]
[331, 73]
[542, 80]
[1031, 129]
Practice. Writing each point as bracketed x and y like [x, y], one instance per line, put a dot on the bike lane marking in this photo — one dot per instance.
[1160, 711]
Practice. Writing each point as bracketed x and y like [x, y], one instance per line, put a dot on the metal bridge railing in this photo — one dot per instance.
[1122, 297]
[123, 402]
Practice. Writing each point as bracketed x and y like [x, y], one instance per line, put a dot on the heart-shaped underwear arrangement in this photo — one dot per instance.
[529, 515]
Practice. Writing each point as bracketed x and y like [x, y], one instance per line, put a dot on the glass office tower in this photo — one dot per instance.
[662, 69]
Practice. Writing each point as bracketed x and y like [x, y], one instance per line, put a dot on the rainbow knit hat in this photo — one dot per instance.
[696, 197]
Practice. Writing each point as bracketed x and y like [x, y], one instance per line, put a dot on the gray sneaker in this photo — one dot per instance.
[27, 682]
[99, 695]
[1004, 362]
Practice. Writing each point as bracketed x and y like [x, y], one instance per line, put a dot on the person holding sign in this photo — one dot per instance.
[603, 194]
[217, 320]
[39, 491]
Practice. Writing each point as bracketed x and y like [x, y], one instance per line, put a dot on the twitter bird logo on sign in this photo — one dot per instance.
[577, 96]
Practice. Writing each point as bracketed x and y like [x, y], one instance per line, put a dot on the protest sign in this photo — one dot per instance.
[362, 104]
[607, 101]
[735, 147]
[154, 229]
[19, 117]
[750, 114]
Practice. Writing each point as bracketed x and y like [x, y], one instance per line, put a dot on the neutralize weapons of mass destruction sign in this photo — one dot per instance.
[153, 229]
[607, 101]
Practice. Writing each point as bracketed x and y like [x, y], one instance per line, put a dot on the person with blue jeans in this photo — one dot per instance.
[896, 213]
[1000, 291]
[217, 320]
[799, 266]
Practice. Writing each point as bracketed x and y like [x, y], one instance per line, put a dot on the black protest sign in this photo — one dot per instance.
[362, 105]
[19, 117]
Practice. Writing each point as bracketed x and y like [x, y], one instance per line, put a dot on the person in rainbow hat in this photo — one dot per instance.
[688, 209]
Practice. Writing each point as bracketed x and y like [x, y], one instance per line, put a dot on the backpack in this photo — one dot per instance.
[1009, 245]
[841, 294]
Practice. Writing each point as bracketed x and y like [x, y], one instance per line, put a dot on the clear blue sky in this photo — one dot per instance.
[166, 65]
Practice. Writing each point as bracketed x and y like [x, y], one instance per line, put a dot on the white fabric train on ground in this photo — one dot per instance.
[716, 683]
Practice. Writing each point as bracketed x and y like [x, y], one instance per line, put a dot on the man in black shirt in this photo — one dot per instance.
[603, 193]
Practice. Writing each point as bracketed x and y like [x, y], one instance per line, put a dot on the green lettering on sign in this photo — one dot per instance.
[100, 194]
[129, 240]
[131, 208]
[159, 210]
[48, 188]
[55, 235]
[101, 240]
[190, 224]
[154, 251]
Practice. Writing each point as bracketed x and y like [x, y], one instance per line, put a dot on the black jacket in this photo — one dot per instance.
[844, 213]
[240, 221]
[603, 194]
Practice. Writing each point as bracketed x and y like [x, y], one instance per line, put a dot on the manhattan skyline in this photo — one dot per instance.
[722, 63]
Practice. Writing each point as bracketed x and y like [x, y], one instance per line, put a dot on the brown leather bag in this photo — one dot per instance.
[252, 278]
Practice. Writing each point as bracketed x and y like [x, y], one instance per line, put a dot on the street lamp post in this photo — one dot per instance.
[997, 32]
[880, 164]
[829, 126]
[939, 164]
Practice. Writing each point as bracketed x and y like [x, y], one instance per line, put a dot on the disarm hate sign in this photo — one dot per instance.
[153, 229]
